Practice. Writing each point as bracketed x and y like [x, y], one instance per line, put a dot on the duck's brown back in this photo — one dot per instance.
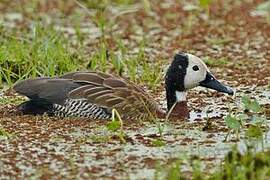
[89, 94]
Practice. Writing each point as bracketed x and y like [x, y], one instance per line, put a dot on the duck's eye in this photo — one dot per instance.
[195, 68]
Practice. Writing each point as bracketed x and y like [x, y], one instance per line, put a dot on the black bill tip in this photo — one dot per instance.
[212, 83]
[230, 91]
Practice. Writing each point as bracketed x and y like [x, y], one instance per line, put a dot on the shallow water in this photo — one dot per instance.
[44, 145]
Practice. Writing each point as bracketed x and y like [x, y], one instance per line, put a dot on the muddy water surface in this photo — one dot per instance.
[42, 146]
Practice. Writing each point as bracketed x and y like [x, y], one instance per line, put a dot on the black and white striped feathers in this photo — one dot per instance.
[80, 108]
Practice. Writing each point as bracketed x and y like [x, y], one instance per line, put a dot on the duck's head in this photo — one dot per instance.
[188, 71]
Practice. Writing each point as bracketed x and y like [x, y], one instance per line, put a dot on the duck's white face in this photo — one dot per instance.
[195, 73]
[185, 72]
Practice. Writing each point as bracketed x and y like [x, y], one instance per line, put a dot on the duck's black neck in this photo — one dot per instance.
[173, 95]
[175, 78]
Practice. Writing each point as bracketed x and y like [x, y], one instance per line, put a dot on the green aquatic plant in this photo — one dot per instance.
[171, 171]
[250, 116]
[236, 165]
[254, 132]
[248, 165]
[4, 133]
[158, 142]
[160, 128]
[11, 100]
[251, 105]
[234, 124]
[264, 10]
[138, 68]
[116, 126]
[205, 4]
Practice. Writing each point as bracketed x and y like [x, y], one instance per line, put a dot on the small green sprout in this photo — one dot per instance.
[113, 126]
[158, 142]
[116, 125]
[4, 133]
[205, 4]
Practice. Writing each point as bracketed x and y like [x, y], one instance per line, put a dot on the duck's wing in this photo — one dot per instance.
[52, 90]
[110, 92]
[101, 89]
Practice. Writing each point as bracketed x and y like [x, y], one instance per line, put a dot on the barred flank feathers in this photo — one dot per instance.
[80, 108]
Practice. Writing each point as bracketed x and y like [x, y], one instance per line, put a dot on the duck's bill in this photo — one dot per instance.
[212, 83]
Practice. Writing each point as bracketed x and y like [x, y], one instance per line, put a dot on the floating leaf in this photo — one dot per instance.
[255, 106]
[232, 122]
[245, 100]
[249, 104]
